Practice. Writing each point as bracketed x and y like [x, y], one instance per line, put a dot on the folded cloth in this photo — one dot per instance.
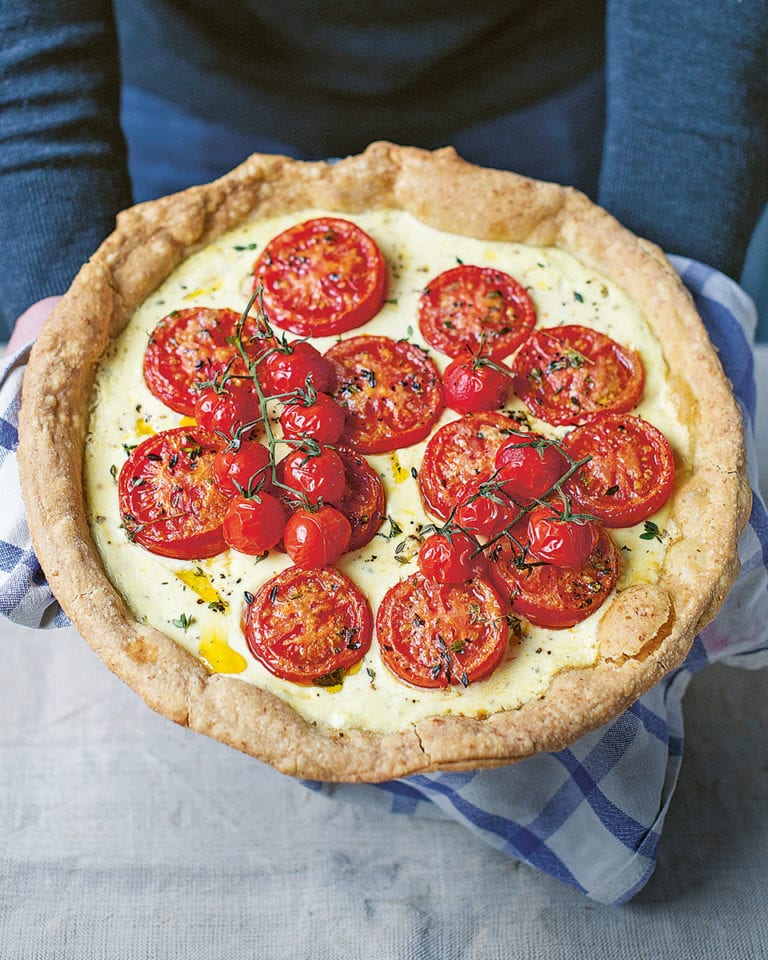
[590, 815]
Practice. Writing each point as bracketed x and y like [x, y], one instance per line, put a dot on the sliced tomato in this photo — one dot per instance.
[321, 277]
[548, 595]
[169, 502]
[363, 503]
[193, 346]
[308, 626]
[566, 374]
[460, 451]
[435, 634]
[475, 307]
[631, 472]
[390, 389]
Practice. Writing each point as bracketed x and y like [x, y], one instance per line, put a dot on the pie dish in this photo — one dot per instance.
[643, 629]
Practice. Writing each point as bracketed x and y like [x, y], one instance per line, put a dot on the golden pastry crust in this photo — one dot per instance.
[644, 631]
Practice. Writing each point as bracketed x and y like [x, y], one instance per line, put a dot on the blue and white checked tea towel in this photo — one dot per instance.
[590, 815]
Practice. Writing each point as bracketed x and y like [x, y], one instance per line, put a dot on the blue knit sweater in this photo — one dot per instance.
[684, 153]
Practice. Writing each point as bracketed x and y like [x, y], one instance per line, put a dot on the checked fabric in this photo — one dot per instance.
[590, 815]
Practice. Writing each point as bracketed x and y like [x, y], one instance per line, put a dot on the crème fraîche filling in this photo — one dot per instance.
[200, 604]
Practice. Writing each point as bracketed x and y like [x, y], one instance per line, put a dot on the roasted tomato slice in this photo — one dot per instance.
[308, 626]
[631, 472]
[475, 307]
[169, 502]
[434, 634]
[363, 503]
[564, 375]
[390, 389]
[321, 277]
[551, 596]
[460, 451]
[192, 346]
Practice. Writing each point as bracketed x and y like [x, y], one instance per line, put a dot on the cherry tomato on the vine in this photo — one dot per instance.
[254, 524]
[476, 383]
[316, 538]
[289, 368]
[562, 541]
[230, 409]
[452, 558]
[484, 508]
[317, 476]
[241, 467]
[529, 465]
[322, 419]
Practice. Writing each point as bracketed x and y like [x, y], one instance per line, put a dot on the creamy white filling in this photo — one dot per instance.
[124, 412]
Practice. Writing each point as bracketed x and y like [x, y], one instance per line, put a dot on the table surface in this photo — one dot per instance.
[125, 836]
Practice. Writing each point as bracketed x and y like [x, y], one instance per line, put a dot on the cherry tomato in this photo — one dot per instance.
[435, 634]
[254, 524]
[316, 538]
[239, 468]
[230, 411]
[390, 389]
[529, 465]
[363, 503]
[323, 419]
[563, 542]
[631, 472]
[192, 346]
[484, 508]
[458, 452]
[168, 500]
[551, 596]
[315, 477]
[475, 307]
[321, 277]
[564, 375]
[308, 626]
[451, 559]
[288, 369]
[471, 384]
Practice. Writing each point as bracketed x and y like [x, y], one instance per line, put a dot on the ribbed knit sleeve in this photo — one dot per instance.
[62, 158]
[686, 148]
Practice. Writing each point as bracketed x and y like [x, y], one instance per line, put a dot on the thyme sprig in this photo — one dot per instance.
[251, 365]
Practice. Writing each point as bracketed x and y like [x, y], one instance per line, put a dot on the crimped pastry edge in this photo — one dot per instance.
[643, 634]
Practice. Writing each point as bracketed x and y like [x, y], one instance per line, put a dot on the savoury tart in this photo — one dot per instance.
[648, 617]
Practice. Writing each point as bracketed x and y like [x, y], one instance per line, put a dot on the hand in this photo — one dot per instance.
[30, 323]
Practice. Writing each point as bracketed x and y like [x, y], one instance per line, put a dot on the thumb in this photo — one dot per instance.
[30, 323]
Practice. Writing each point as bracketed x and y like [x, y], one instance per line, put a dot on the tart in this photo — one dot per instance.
[362, 654]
